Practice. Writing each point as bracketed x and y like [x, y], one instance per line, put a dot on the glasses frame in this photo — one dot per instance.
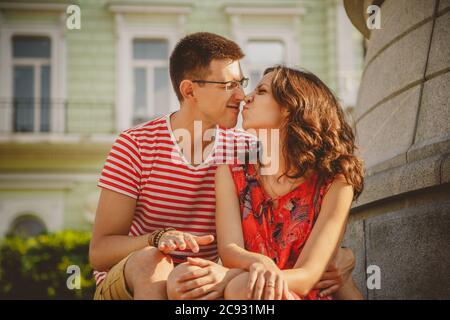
[243, 83]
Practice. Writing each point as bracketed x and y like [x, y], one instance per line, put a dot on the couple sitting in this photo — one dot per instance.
[164, 219]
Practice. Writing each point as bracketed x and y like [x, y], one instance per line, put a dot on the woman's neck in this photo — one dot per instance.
[272, 161]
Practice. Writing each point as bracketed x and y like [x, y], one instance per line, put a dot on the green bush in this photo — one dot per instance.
[36, 268]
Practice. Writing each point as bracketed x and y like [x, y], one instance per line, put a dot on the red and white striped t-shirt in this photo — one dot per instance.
[146, 163]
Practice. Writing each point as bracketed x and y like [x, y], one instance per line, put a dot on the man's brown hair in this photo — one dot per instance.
[192, 55]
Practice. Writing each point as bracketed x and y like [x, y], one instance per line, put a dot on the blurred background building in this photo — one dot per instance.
[65, 94]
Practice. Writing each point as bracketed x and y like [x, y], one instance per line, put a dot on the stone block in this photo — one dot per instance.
[400, 65]
[397, 16]
[434, 116]
[354, 239]
[411, 247]
[439, 57]
[412, 176]
[388, 130]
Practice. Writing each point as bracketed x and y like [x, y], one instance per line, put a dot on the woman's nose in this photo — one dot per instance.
[248, 98]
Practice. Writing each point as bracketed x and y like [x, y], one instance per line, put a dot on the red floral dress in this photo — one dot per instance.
[279, 232]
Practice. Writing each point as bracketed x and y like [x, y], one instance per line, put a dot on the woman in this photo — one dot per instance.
[283, 228]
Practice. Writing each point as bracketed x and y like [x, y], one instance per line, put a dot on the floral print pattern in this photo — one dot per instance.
[278, 228]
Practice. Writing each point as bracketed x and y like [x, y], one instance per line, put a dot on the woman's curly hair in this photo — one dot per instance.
[316, 135]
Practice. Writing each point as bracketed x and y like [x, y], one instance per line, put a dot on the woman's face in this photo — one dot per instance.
[261, 111]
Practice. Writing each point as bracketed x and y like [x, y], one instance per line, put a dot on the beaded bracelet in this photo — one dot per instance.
[155, 236]
[151, 237]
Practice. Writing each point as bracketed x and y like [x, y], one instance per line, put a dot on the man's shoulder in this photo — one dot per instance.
[151, 127]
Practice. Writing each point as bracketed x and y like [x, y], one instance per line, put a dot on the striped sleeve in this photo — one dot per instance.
[123, 167]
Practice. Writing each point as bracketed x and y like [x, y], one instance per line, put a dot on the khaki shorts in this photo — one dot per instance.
[113, 287]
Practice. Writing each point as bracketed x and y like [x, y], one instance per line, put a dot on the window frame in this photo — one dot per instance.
[149, 65]
[36, 64]
[55, 32]
[126, 32]
[285, 34]
[250, 67]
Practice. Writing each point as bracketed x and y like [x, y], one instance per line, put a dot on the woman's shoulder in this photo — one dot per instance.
[231, 173]
[338, 182]
[340, 178]
[322, 183]
[232, 169]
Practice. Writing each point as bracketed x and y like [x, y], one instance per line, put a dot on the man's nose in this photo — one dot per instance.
[239, 94]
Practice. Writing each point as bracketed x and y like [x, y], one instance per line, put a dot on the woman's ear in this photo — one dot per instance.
[187, 89]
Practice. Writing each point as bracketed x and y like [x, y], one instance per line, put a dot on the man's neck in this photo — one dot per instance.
[187, 119]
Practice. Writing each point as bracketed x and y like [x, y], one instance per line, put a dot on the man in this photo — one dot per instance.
[151, 183]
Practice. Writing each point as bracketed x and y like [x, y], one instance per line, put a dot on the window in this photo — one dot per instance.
[27, 226]
[31, 83]
[262, 54]
[151, 92]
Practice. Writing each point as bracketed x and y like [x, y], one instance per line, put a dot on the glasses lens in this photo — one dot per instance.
[244, 83]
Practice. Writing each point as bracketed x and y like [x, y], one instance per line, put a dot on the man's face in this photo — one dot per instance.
[217, 105]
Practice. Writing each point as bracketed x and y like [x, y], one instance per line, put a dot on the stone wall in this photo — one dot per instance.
[401, 222]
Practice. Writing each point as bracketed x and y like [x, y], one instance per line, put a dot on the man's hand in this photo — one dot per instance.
[173, 240]
[337, 273]
[207, 283]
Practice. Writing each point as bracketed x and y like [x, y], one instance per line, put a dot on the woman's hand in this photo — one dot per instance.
[207, 283]
[266, 281]
[173, 240]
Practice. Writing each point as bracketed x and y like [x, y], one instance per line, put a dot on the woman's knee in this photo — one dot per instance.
[236, 289]
[172, 280]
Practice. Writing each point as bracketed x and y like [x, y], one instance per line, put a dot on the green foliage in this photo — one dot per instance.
[36, 268]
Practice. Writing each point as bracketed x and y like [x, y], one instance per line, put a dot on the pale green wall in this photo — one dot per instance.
[91, 69]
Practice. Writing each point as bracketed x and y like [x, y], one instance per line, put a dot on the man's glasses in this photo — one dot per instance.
[229, 85]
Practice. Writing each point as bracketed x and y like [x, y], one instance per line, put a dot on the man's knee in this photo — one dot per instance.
[236, 289]
[173, 284]
[148, 263]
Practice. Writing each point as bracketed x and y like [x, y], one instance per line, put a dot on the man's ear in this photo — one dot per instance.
[187, 89]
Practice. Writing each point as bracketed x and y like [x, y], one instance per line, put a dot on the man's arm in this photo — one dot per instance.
[110, 241]
[337, 279]
[349, 291]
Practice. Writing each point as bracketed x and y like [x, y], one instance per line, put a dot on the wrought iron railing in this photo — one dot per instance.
[25, 115]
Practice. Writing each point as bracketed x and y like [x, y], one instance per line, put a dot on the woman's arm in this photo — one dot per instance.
[230, 239]
[265, 279]
[110, 240]
[324, 238]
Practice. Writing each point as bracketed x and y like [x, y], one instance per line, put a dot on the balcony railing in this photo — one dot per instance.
[26, 115]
